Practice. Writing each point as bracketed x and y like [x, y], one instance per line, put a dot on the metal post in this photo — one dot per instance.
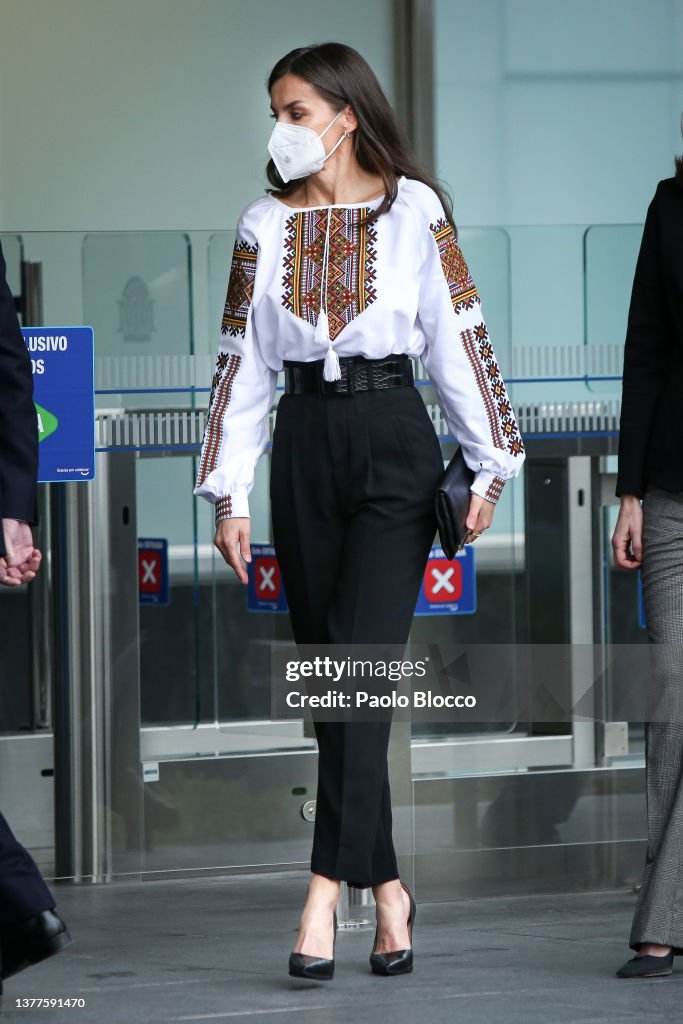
[414, 75]
[422, 82]
[65, 864]
[581, 519]
[96, 671]
[32, 293]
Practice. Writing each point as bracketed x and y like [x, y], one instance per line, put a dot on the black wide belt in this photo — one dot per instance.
[357, 374]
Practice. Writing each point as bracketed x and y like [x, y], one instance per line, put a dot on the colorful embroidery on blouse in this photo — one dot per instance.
[461, 286]
[240, 289]
[226, 371]
[495, 489]
[502, 423]
[221, 363]
[223, 508]
[351, 265]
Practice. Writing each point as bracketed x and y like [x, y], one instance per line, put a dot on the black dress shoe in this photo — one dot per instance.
[647, 967]
[317, 968]
[398, 961]
[31, 941]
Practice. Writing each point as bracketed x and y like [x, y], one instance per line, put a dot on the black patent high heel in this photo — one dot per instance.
[398, 961]
[318, 968]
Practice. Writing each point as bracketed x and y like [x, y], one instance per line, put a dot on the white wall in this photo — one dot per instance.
[133, 114]
[556, 112]
[551, 117]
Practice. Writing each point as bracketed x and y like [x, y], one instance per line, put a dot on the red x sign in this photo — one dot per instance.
[443, 580]
[267, 577]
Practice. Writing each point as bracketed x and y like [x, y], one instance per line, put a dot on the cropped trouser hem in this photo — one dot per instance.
[318, 868]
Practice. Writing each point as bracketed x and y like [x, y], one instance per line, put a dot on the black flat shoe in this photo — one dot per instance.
[317, 968]
[27, 943]
[398, 961]
[647, 967]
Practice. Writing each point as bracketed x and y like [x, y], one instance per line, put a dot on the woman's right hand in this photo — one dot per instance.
[232, 539]
[627, 539]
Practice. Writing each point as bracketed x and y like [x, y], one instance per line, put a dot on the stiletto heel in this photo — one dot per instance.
[317, 968]
[398, 961]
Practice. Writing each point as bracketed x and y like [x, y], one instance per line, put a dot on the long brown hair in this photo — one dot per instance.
[344, 78]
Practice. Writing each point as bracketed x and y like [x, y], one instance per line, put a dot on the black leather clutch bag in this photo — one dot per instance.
[452, 503]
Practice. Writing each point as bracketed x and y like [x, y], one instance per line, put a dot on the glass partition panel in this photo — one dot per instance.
[137, 297]
[610, 254]
[498, 554]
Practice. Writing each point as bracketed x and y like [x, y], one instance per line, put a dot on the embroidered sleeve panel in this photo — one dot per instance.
[459, 355]
[475, 339]
[501, 419]
[462, 289]
[227, 367]
[240, 288]
[242, 388]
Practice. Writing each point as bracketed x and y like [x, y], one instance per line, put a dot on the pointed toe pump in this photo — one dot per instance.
[317, 968]
[398, 961]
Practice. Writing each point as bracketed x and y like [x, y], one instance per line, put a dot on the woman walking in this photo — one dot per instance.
[650, 537]
[340, 274]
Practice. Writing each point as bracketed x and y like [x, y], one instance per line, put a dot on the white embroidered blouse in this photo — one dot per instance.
[399, 285]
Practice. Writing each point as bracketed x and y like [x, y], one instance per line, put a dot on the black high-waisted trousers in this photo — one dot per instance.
[352, 487]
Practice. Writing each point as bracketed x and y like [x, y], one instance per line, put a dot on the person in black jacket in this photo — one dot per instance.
[650, 537]
[30, 928]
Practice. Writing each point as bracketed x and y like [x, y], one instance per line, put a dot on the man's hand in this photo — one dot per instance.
[22, 561]
[479, 516]
[232, 538]
[627, 539]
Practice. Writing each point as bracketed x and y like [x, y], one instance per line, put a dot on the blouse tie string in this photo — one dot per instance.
[331, 367]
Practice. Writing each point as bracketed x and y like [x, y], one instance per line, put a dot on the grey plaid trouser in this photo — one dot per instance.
[658, 916]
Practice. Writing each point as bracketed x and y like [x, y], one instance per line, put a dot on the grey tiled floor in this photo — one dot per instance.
[216, 949]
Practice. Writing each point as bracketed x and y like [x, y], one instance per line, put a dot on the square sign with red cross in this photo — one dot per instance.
[449, 586]
[265, 589]
[153, 571]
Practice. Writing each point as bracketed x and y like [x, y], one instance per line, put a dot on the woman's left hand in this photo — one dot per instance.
[479, 516]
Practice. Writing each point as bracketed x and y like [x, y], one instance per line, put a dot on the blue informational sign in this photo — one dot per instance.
[265, 589]
[64, 396]
[153, 570]
[449, 587]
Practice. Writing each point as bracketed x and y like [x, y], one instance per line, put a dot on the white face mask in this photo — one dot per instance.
[297, 150]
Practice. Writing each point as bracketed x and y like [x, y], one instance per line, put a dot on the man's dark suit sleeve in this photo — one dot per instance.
[18, 421]
[646, 358]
